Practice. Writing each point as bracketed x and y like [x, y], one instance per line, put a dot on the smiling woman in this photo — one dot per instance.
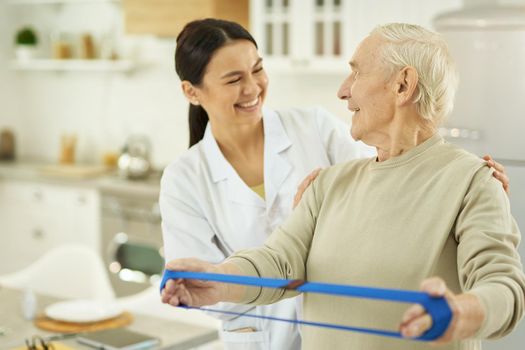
[232, 93]
[237, 181]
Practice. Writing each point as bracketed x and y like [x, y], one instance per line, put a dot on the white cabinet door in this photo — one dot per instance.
[35, 217]
[301, 34]
[310, 36]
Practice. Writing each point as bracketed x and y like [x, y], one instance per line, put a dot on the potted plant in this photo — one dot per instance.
[26, 42]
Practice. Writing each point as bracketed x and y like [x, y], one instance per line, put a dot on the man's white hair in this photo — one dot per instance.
[426, 51]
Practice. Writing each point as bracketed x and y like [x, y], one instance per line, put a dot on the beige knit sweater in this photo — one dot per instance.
[435, 210]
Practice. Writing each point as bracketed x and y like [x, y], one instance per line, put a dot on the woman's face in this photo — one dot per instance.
[234, 85]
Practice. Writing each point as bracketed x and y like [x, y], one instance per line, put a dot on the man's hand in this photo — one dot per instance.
[467, 314]
[196, 292]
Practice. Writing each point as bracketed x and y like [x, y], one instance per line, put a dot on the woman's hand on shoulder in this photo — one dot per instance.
[193, 292]
[499, 172]
[304, 185]
[467, 314]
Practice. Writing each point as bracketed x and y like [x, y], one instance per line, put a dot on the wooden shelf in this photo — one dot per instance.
[43, 2]
[73, 65]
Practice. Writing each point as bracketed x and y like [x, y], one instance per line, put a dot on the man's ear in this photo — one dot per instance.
[190, 92]
[406, 85]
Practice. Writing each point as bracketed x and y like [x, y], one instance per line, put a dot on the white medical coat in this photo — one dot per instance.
[208, 211]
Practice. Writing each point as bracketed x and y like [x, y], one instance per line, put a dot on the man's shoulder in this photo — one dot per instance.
[344, 170]
[459, 157]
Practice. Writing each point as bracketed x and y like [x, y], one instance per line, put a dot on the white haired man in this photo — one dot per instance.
[423, 214]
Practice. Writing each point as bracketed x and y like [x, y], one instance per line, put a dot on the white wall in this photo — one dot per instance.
[104, 108]
[8, 111]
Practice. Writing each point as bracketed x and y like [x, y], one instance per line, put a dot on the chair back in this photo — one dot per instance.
[68, 271]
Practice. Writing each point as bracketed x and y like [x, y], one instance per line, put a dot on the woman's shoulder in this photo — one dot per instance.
[299, 116]
[185, 168]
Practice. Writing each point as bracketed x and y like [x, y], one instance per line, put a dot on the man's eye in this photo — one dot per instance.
[257, 70]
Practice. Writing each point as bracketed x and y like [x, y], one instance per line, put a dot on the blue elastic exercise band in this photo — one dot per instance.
[436, 307]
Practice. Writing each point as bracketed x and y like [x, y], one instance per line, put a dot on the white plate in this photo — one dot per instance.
[82, 311]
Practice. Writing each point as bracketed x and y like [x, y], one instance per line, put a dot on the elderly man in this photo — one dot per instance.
[423, 214]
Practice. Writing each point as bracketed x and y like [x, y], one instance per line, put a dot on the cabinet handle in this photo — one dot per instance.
[38, 234]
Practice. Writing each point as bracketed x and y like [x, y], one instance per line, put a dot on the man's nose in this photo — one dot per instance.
[344, 90]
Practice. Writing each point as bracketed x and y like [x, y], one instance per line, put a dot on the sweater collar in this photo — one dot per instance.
[411, 154]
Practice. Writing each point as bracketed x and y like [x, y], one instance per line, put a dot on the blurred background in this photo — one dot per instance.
[91, 109]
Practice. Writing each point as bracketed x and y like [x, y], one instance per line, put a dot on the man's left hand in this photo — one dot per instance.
[467, 314]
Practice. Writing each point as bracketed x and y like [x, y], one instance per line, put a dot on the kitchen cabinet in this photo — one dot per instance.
[320, 36]
[35, 217]
[166, 18]
[307, 35]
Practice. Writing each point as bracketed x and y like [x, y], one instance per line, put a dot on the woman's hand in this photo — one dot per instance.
[499, 172]
[467, 314]
[304, 185]
[193, 292]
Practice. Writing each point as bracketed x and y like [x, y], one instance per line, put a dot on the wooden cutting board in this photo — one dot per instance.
[74, 170]
[48, 324]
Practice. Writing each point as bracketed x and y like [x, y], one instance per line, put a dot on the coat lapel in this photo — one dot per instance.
[277, 166]
[221, 170]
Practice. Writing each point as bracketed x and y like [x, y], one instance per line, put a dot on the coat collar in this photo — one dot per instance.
[219, 167]
[277, 167]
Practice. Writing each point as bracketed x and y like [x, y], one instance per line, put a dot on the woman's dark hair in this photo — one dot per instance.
[196, 44]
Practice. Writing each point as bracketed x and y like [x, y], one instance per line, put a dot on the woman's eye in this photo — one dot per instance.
[234, 81]
[257, 70]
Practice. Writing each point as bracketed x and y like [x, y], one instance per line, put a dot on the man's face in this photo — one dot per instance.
[369, 94]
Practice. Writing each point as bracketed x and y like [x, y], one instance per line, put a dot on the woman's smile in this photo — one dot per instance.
[248, 106]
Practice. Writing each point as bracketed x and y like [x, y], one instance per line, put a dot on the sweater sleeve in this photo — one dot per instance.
[489, 265]
[284, 253]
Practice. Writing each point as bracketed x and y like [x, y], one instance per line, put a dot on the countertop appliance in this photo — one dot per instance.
[131, 241]
[488, 44]
[134, 162]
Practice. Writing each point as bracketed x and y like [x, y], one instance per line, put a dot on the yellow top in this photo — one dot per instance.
[259, 189]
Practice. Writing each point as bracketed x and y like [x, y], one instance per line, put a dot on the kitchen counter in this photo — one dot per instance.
[105, 181]
[174, 335]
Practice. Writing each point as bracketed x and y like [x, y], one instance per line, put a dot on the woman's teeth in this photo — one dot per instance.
[248, 104]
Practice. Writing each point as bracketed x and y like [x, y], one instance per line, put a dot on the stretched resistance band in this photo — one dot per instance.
[436, 307]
